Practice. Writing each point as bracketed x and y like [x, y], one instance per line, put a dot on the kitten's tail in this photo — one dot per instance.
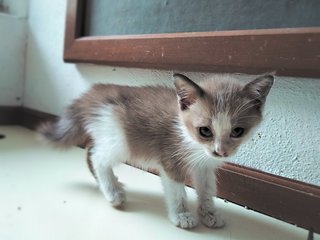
[64, 132]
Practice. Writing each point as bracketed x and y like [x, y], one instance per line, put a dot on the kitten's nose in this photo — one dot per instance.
[220, 153]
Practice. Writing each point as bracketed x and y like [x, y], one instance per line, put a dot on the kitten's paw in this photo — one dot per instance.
[211, 219]
[118, 199]
[184, 220]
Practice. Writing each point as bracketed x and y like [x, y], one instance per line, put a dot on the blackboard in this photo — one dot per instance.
[126, 17]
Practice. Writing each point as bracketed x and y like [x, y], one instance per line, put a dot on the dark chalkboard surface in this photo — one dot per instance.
[122, 17]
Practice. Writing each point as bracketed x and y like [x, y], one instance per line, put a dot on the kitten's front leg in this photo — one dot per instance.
[176, 199]
[205, 185]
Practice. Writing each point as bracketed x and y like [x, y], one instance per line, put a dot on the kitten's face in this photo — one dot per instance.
[220, 133]
[221, 115]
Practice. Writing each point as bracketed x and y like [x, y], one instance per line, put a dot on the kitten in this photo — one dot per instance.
[183, 132]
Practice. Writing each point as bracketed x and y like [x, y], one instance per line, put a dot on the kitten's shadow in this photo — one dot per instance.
[85, 187]
[154, 204]
[137, 201]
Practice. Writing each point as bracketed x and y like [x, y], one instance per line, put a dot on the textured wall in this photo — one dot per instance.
[287, 143]
[13, 32]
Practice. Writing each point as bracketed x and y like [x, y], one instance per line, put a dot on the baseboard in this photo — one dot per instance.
[292, 201]
[282, 198]
[10, 115]
[31, 118]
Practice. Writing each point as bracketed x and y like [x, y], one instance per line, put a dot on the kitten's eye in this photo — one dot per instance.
[237, 132]
[205, 132]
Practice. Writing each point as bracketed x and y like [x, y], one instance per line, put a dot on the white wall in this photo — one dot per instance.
[13, 32]
[287, 143]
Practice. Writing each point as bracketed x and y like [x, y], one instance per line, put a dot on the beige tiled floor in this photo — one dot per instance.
[49, 194]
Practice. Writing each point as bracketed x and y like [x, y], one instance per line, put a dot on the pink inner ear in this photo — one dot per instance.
[185, 103]
[186, 99]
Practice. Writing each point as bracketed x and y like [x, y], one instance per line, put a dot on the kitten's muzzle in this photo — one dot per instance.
[220, 154]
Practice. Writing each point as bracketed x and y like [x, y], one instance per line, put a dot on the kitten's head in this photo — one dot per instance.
[220, 115]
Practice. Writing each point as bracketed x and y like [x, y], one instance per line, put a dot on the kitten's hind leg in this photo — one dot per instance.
[109, 185]
[205, 185]
[89, 162]
[176, 200]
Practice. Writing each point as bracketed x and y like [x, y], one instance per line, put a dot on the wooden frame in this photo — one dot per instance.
[290, 52]
[282, 198]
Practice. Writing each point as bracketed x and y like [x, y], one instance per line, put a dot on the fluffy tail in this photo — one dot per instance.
[64, 132]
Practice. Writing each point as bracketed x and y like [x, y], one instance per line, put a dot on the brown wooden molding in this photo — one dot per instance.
[289, 52]
[282, 198]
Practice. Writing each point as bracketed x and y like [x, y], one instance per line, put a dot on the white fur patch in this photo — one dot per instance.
[109, 139]
[222, 127]
[221, 124]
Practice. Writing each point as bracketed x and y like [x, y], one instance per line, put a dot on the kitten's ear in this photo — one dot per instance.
[259, 88]
[188, 92]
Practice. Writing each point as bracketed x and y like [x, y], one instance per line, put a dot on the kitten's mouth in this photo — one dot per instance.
[218, 158]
